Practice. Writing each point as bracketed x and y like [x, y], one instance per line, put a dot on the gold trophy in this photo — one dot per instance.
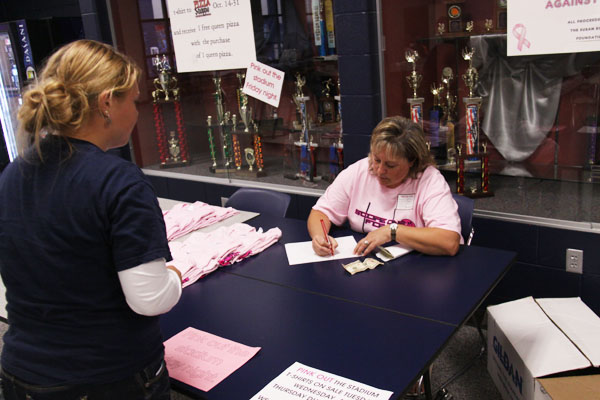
[244, 108]
[472, 104]
[414, 80]
[165, 84]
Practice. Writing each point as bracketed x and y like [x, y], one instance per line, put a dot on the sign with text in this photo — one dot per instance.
[264, 83]
[552, 26]
[202, 360]
[302, 382]
[211, 35]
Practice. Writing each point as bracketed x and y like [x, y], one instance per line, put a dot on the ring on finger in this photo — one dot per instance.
[366, 242]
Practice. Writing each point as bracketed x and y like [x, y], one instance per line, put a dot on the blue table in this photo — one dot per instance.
[382, 327]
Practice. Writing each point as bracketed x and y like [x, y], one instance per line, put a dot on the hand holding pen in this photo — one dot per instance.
[325, 245]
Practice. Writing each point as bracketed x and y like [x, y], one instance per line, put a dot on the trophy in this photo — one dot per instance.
[326, 103]
[441, 28]
[244, 108]
[448, 107]
[414, 80]
[489, 24]
[455, 15]
[436, 113]
[473, 180]
[304, 143]
[472, 104]
[237, 157]
[470, 26]
[173, 151]
[219, 100]
[211, 144]
[298, 96]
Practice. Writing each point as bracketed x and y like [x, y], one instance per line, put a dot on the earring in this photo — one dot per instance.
[107, 119]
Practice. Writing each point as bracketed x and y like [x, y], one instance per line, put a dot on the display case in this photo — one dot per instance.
[531, 116]
[205, 124]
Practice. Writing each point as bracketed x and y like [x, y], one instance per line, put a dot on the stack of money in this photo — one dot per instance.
[359, 266]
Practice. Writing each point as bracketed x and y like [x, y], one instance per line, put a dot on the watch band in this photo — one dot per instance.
[393, 228]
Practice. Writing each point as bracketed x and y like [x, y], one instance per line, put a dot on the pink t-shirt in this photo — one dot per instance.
[357, 196]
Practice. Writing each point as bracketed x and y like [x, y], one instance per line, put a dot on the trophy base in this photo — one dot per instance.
[477, 194]
[173, 164]
[246, 173]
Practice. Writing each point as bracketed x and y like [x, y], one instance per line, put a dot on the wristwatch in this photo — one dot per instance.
[393, 228]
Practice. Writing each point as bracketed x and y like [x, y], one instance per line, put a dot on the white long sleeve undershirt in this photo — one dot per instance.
[150, 289]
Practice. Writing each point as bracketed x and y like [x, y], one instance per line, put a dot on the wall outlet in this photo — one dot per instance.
[223, 201]
[574, 261]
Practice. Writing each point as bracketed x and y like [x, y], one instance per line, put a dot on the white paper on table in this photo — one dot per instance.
[303, 382]
[396, 250]
[302, 252]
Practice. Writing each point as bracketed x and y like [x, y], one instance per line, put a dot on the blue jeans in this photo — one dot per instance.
[152, 383]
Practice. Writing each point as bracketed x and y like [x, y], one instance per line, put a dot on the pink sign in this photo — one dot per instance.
[202, 360]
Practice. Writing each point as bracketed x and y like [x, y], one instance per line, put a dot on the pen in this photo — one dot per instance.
[385, 252]
[326, 236]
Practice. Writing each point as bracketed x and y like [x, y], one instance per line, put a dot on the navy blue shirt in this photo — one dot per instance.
[67, 226]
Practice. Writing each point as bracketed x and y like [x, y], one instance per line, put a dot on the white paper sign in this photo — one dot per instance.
[302, 382]
[264, 83]
[302, 252]
[552, 26]
[211, 35]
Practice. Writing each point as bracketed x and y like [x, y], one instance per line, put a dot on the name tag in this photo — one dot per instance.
[405, 202]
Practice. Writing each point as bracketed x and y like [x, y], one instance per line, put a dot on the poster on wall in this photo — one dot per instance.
[212, 35]
[552, 26]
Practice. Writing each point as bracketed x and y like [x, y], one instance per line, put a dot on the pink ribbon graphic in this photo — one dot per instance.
[519, 31]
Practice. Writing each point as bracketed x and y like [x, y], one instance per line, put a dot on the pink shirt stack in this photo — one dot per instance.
[184, 218]
[204, 252]
[357, 196]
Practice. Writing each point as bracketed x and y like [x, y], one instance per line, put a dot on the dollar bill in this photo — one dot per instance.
[354, 267]
[371, 263]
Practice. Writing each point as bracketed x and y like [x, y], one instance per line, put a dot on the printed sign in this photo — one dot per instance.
[552, 26]
[302, 382]
[264, 83]
[210, 35]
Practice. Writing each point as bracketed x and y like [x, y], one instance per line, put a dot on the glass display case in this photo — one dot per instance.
[446, 65]
[202, 123]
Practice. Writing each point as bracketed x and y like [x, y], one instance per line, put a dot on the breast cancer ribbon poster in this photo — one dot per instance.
[202, 360]
[552, 26]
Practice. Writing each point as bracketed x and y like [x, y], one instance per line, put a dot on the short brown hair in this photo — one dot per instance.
[400, 137]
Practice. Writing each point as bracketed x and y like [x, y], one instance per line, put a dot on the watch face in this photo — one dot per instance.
[454, 11]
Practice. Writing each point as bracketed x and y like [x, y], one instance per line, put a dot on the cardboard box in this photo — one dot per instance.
[531, 342]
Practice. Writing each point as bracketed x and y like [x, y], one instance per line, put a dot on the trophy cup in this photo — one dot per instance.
[472, 104]
[244, 108]
[449, 106]
[173, 151]
[414, 79]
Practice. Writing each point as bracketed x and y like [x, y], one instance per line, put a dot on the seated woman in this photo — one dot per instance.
[394, 194]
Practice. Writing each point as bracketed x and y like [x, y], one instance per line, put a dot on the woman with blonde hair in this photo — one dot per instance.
[395, 194]
[82, 240]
